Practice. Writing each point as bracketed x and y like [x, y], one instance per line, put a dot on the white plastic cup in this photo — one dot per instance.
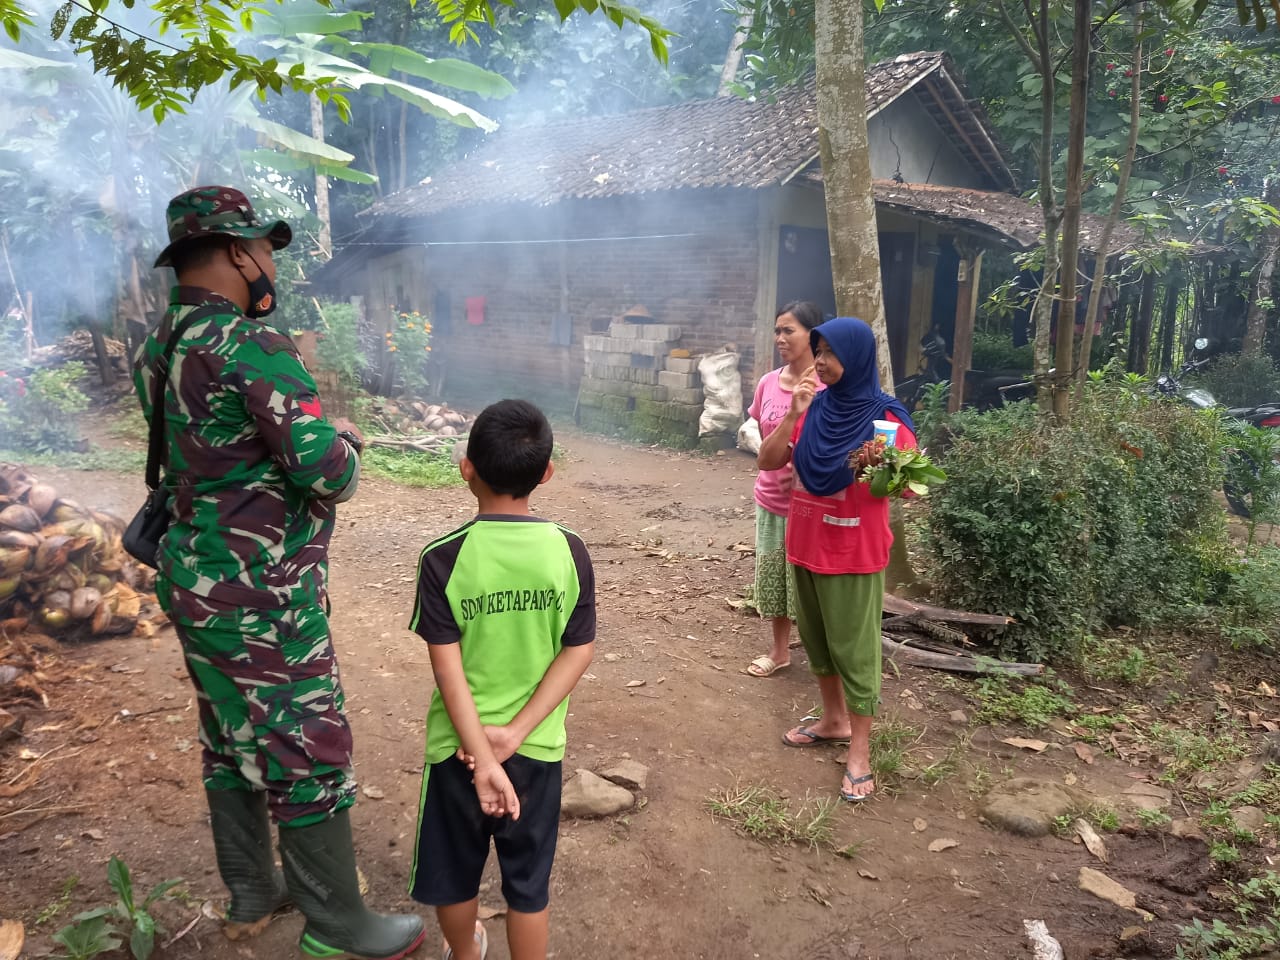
[887, 429]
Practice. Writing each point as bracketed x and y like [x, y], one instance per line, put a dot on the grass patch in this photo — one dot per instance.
[890, 740]
[946, 768]
[119, 461]
[1000, 701]
[1098, 815]
[128, 423]
[1122, 660]
[1187, 752]
[410, 468]
[762, 814]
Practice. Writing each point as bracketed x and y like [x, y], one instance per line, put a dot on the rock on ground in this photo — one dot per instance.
[586, 795]
[630, 774]
[1028, 807]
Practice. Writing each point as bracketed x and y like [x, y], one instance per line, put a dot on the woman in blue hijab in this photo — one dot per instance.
[838, 537]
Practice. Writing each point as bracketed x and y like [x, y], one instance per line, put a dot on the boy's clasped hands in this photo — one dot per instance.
[493, 786]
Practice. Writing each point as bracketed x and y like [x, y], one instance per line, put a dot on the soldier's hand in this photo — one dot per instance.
[342, 424]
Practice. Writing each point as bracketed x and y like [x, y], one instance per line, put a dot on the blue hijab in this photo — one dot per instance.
[839, 419]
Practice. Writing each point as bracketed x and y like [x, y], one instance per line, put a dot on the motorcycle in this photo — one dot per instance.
[1264, 416]
[983, 389]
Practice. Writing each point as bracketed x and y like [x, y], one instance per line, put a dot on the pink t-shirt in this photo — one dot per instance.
[768, 407]
[847, 532]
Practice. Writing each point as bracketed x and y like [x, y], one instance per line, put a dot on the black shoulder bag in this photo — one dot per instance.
[142, 537]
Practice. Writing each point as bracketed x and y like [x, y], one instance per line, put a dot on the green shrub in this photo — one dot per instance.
[1250, 599]
[38, 413]
[1111, 519]
[338, 347]
[995, 351]
[410, 340]
[1241, 380]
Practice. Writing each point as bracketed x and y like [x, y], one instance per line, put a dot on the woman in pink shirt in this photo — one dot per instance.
[838, 537]
[774, 587]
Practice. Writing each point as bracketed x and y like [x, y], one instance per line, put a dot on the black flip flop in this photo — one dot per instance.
[814, 738]
[848, 797]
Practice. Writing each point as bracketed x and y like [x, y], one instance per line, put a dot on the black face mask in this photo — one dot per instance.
[262, 292]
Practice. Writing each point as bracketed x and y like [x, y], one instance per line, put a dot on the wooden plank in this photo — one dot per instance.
[956, 664]
[900, 607]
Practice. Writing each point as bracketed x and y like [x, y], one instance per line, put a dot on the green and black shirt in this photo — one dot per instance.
[512, 590]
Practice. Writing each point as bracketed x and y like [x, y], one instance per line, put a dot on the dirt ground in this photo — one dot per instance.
[120, 773]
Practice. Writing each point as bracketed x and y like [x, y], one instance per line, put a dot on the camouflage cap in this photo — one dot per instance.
[207, 211]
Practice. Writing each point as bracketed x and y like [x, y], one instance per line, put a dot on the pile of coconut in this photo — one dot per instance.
[415, 425]
[63, 569]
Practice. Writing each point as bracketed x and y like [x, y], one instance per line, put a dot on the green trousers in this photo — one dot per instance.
[838, 616]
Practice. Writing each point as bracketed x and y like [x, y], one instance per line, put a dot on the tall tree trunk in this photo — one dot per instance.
[1140, 337]
[734, 57]
[1169, 318]
[322, 183]
[1255, 329]
[1099, 280]
[1040, 56]
[846, 170]
[1063, 353]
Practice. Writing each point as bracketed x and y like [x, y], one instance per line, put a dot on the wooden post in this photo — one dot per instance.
[962, 343]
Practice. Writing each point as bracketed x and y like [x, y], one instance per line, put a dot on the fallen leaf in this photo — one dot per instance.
[373, 793]
[867, 875]
[1024, 744]
[920, 824]
[94, 834]
[1083, 751]
[1093, 843]
[488, 913]
[635, 683]
[1265, 689]
[942, 843]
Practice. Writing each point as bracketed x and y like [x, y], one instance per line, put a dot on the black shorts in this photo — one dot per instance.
[453, 836]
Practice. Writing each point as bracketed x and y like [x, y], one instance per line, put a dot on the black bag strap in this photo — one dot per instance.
[160, 376]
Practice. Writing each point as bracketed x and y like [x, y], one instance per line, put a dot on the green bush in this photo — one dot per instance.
[1111, 519]
[1250, 599]
[995, 351]
[38, 412]
[338, 347]
[410, 340]
[1241, 380]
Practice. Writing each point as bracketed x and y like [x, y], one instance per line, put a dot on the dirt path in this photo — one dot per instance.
[666, 880]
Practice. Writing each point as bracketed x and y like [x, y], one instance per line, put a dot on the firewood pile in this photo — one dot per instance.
[78, 345]
[63, 570]
[419, 426]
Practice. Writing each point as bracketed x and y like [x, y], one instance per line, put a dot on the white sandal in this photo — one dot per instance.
[764, 666]
[482, 938]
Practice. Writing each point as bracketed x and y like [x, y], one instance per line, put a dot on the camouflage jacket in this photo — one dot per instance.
[254, 468]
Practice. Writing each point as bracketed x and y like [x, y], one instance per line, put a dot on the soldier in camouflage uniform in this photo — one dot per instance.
[255, 472]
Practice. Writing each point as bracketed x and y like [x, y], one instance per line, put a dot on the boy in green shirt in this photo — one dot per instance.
[507, 605]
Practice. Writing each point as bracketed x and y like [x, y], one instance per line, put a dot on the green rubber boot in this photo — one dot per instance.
[320, 869]
[242, 846]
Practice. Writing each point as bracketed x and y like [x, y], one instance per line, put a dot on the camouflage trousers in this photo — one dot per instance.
[271, 711]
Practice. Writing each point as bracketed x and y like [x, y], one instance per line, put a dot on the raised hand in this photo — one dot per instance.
[803, 392]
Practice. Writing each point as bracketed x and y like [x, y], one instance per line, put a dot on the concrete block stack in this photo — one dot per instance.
[639, 383]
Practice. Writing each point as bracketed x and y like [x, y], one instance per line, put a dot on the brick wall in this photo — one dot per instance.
[624, 252]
